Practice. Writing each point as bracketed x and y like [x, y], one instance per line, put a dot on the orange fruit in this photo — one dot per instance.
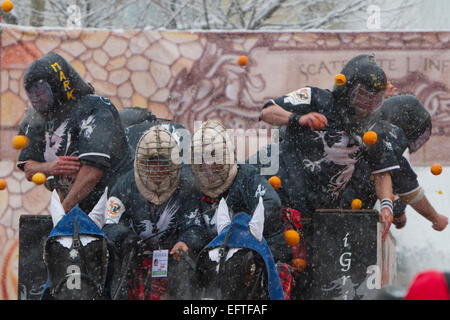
[340, 79]
[275, 182]
[393, 197]
[370, 138]
[242, 60]
[356, 204]
[39, 178]
[291, 237]
[7, 5]
[320, 125]
[20, 142]
[299, 264]
[436, 169]
[3, 184]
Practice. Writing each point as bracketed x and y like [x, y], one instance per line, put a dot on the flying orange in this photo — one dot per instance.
[340, 79]
[275, 182]
[38, 178]
[7, 5]
[436, 169]
[20, 141]
[370, 138]
[3, 184]
[356, 204]
[242, 60]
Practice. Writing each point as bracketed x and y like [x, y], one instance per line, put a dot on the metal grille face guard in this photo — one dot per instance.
[212, 154]
[157, 162]
[365, 101]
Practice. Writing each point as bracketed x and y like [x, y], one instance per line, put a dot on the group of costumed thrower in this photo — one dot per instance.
[156, 204]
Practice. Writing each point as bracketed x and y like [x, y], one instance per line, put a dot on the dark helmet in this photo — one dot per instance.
[363, 89]
[133, 115]
[51, 81]
[406, 112]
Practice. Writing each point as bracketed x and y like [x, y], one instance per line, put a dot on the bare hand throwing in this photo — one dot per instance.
[440, 223]
[314, 120]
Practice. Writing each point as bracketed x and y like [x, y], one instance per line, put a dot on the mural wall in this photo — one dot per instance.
[195, 76]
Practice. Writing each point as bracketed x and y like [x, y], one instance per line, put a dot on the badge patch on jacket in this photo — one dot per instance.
[300, 96]
[114, 210]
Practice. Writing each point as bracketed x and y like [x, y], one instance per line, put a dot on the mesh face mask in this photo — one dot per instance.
[213, 161]
[41, 96]
[157, 165]
[213, 174]
[365, 101]
[155, 168]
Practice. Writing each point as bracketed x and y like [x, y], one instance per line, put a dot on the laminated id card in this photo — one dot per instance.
[160, 263]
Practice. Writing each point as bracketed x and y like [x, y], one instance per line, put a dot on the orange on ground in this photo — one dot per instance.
[370, 138]
[275, 182]
[291, 237]
[3, 184]
[242, 60]
[39, 178]
[340, 79]
[356, 204]
[436, 169]
[20, 142]
[299, 264]
[7, 5]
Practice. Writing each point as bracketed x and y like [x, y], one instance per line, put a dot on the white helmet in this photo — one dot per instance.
[157, 165]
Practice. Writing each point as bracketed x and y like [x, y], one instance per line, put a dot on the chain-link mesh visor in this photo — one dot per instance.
[365, 101]
[157, 164]
[212, 157]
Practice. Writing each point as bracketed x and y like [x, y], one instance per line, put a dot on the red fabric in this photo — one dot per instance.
[209, 200]
[158, 285]
[293, 220]
[293, 216]
[428, 285]
[285, 274]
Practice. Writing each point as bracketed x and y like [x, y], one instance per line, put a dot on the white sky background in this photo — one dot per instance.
[421, 15]
[427, 15]
[419, 246]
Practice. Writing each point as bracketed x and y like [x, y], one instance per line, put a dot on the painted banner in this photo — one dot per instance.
[188, 76]
[347, 261]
